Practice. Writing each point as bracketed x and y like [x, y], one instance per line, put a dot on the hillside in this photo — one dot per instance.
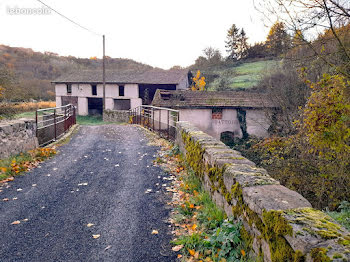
[240, 75]
[33, 71]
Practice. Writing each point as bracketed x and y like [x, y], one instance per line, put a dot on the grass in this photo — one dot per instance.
[217, 238]
[245, 75]
[93, 120]
[343, 215]
[20, 163]
[30, 114]
[90, 120]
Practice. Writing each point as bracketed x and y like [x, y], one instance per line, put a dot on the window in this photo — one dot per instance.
[94, 90]
[121, 91]
[216, 113]
[69, 88]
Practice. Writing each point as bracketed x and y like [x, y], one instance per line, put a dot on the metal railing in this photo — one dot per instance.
[51, 123]
[158, 119]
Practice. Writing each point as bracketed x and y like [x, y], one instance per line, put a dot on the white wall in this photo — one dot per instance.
[257, 122]
[83, 91]
[183, 84]
[83, 106]
[202, 118]
[58, 101]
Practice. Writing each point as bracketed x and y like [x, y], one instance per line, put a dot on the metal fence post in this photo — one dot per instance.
[160, 121]
[36, 123]
[168, 124]
[65, 119]
[54, 123]
[152, 118]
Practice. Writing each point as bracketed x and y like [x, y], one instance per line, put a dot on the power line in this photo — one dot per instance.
[70, 20]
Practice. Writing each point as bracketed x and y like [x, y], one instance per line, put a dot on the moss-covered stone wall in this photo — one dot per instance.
[279, 224]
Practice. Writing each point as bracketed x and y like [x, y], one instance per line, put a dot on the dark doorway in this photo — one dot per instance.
[228, 138]
[95, 106]
[147, 91]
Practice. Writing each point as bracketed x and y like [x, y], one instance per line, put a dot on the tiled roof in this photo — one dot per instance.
[149, 77]
[207, 99]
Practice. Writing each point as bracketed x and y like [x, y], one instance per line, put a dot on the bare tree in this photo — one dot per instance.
[311, 18]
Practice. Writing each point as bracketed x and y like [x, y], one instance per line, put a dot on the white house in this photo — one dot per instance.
[220, 113]
[124, 90]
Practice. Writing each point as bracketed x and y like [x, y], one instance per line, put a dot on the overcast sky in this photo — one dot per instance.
[161, 33]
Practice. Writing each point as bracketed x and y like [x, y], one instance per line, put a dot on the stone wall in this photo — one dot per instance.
[278, 223]
[121, 116]
[17, 136]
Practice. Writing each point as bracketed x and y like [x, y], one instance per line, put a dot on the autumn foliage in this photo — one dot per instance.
[315, 160]
[23, 162]
[198, 82]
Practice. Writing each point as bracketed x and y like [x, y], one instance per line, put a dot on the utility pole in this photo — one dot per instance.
[104, 75]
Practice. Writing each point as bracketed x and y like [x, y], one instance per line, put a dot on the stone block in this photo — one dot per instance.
[272, 197]
[246, 175]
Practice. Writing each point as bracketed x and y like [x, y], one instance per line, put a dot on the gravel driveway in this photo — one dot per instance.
[96, 185]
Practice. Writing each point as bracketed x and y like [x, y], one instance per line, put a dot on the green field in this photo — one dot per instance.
[30, 114]
[243, 75]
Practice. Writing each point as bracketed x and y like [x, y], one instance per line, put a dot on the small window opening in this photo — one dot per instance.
[94, 90]
[121, 91]
[216, 113]
[69, 88]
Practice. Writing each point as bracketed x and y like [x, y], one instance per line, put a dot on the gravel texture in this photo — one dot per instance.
[103, 176]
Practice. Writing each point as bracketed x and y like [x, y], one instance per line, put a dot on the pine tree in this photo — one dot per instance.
[278, 41]
[232, 42]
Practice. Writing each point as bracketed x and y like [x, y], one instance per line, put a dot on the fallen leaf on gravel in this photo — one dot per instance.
[25, 220]
[55, 168]
[191, 251]
[16, 222]
[34, 185]
[5, 199]
[177, 248]
[116, 165]
[107, 247]
[48, 175]
[89, 225]
[15, 198]
[19, 189]
[154, 232]
[96, 236]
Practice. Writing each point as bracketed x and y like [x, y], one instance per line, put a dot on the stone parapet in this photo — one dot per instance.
[121, 116]
[278, 224]
[17, 136]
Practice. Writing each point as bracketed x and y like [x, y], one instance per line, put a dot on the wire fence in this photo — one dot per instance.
[52, 123]
[158, 119]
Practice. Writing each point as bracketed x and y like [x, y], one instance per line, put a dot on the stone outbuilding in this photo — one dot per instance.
[221, 113]
[124, 90]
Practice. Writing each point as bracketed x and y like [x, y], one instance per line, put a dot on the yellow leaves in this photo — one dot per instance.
[242, 252]
[16, 222]
[191, 251]
[198, 82]
[89, 225]
[194, 226]
[96, 236]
